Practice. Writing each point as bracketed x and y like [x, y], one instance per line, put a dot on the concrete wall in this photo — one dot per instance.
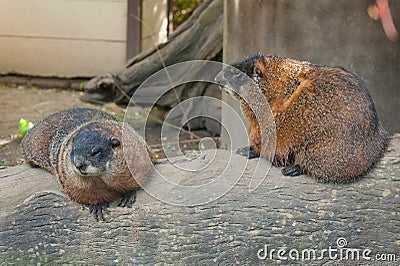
[330, 32]
[71, 38]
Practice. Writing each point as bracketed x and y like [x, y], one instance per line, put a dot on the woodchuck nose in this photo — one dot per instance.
[89, 150]
[325, 119]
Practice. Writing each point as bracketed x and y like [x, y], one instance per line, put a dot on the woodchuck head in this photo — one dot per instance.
[237, 77]
[274, 77]
[92, 152]
[101, 160]
[253, 79]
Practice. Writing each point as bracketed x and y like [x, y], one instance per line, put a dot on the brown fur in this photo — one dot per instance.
[49, 145]
[326, 122]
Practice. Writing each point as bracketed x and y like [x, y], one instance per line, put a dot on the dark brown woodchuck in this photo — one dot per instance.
[326, 122]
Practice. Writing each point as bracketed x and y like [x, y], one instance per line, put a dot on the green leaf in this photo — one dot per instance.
[82, 86]
[24, 126]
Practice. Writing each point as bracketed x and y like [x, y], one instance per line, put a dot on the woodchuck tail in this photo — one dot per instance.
[342, 158]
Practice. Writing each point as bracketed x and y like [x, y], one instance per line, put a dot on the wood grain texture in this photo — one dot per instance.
[40, 225]
[199, 38]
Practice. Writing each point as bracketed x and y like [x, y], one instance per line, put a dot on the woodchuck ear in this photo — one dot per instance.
[115, 142]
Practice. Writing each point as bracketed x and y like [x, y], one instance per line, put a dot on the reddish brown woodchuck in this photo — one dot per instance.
[326, 122]
[84, 148]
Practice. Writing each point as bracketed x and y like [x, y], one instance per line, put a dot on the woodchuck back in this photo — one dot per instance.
[326, 122]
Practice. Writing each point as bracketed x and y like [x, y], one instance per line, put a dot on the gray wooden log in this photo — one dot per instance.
[199, 38]
[40, 225]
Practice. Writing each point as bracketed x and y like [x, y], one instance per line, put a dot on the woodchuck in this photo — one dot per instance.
[325, 119]
[84, 148]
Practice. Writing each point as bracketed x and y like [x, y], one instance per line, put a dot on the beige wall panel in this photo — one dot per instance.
[62, 58]
[65, 38]
[82, 19]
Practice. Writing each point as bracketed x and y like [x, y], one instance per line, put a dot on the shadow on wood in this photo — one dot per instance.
[40, 225]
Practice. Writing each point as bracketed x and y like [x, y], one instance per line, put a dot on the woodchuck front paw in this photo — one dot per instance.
[128, 199]
[292, 170]
[98, 209]
[248, 151]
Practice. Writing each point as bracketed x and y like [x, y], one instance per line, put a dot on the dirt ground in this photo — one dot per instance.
[18, 102]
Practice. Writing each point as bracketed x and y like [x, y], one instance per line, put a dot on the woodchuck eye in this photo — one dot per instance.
[96, 151]
[257, 74]
[115, 142]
